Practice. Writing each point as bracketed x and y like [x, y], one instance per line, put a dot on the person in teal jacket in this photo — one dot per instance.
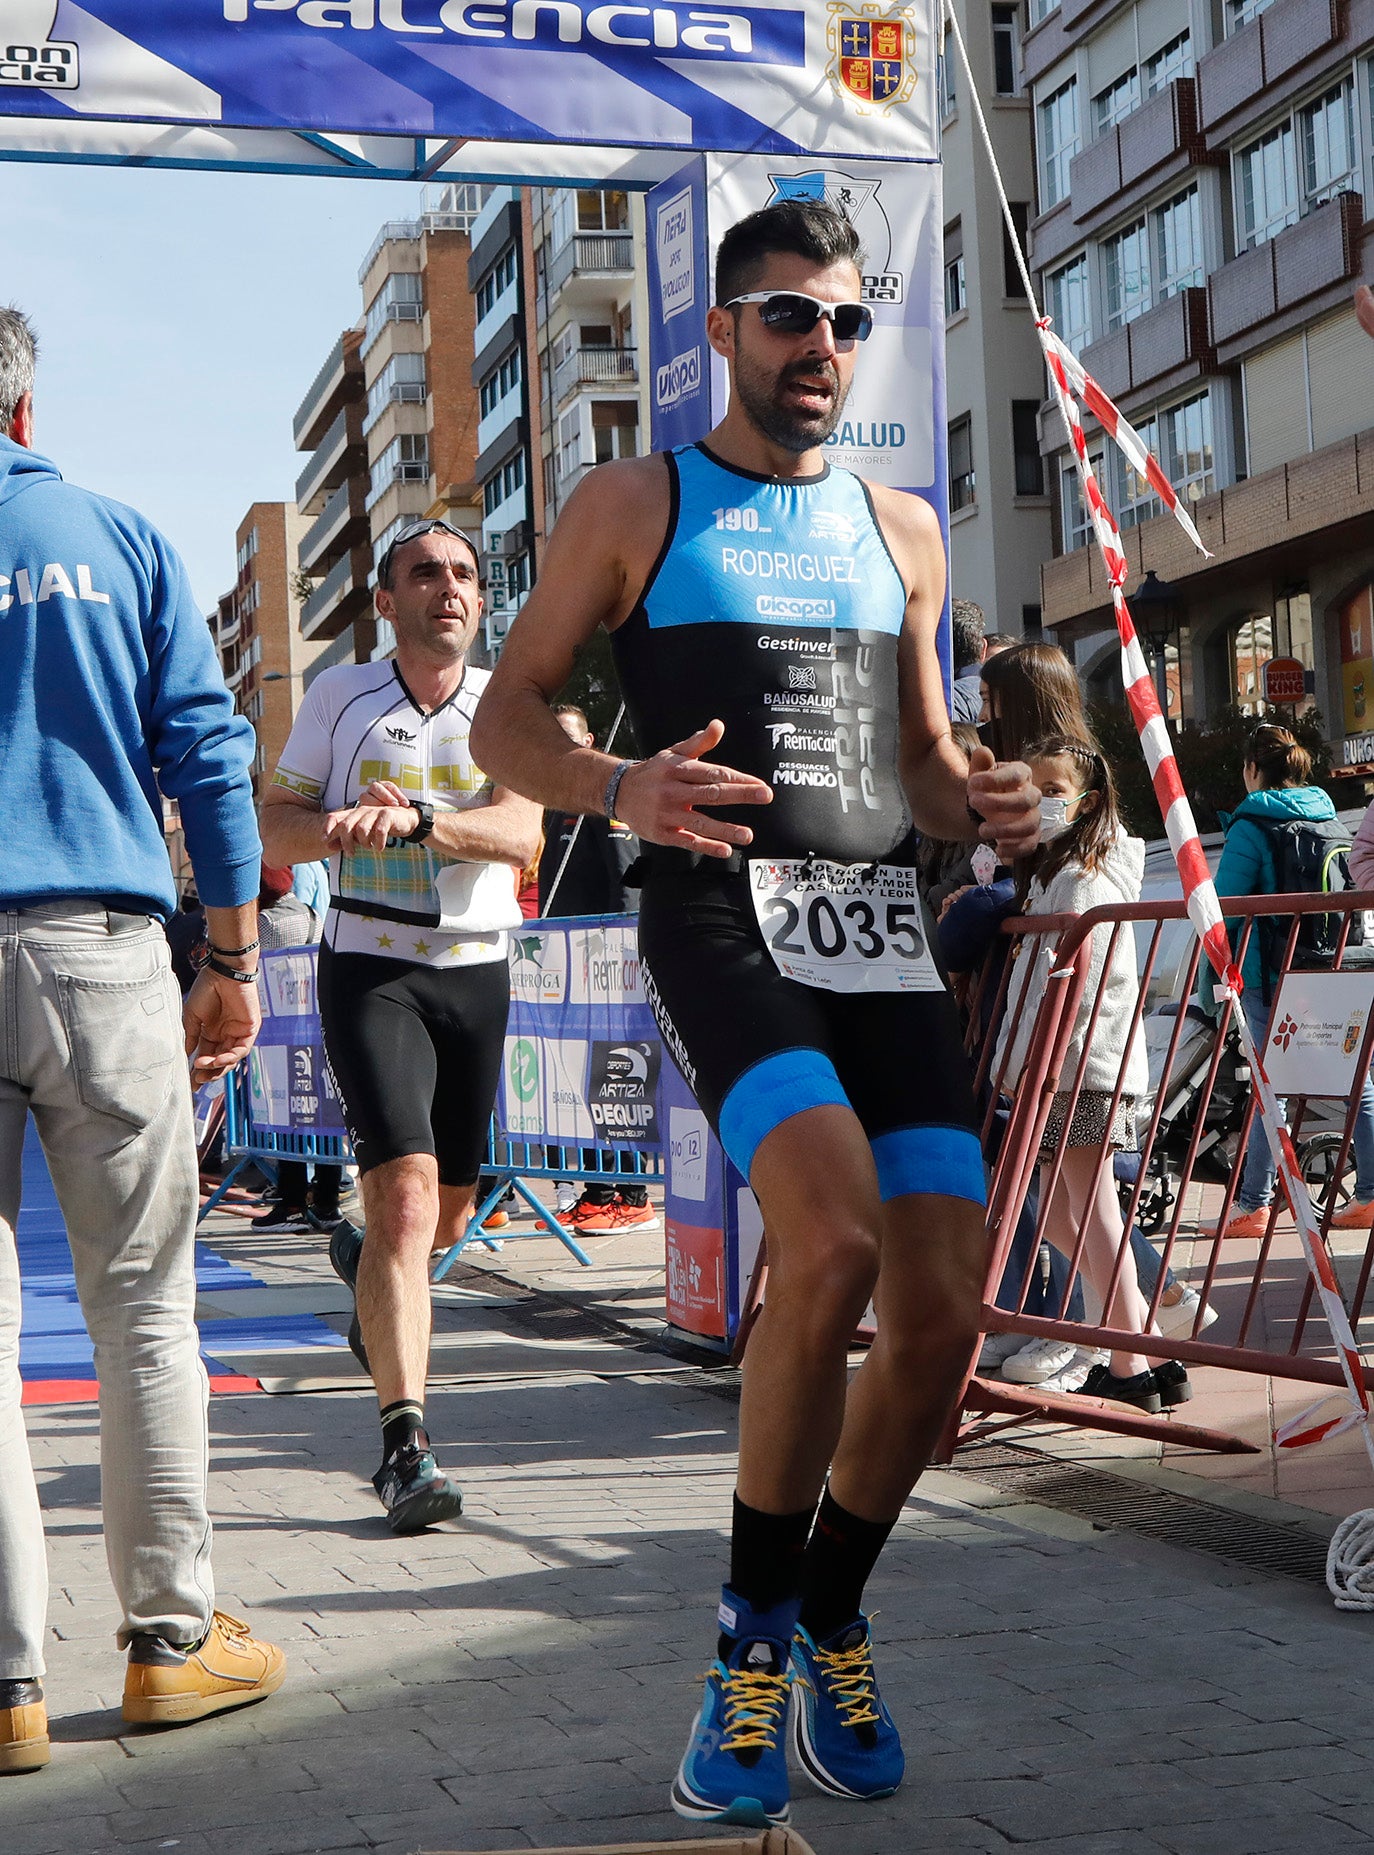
[1277, 773]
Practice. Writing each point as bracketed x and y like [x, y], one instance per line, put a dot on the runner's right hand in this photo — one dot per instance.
[659, 798]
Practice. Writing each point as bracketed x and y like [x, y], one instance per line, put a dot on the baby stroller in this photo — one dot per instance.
[1223, 1115]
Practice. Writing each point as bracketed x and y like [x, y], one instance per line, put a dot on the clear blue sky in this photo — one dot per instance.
[181, 317]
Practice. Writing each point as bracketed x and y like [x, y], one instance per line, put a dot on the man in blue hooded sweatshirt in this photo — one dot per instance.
[111, 695]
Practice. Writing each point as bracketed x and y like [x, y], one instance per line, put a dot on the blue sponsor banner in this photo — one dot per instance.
[671, 74]
[679, 295]
[290, 1090]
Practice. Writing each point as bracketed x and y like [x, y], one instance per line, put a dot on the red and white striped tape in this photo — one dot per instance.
[1199, 891]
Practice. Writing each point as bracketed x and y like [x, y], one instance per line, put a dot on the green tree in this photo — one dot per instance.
[1211, 756]
[595, 688]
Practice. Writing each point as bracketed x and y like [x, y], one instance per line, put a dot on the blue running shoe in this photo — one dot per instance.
[413, 1490]
[735, 1767]
[843, 1733]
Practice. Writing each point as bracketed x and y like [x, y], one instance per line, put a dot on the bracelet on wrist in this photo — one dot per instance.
[613, 786]
[233, 953]
[237, 973]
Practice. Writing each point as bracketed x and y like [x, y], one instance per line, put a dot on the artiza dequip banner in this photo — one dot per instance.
[838, 76]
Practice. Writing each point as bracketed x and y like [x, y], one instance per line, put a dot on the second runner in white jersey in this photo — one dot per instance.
[359, 723]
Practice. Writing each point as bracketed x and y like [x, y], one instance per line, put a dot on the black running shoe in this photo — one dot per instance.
[345, 1252]
[1140, 1390]
[413, 1491]
[281, 1218]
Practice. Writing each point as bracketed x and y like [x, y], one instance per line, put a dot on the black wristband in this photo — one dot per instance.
[231, 972]
[232, 953]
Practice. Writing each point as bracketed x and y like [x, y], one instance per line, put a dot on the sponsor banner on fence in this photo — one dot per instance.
[289, 1087]
[1316, 1032]
[853, 76]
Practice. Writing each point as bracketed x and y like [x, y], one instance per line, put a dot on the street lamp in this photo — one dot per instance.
[1154, 607]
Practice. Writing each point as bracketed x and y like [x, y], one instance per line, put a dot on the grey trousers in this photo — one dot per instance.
[90, 1045]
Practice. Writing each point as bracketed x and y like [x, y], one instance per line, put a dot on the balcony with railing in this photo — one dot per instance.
[594, 367]
[336, 453]
[322, 388]
[339, 524]
[591, 254]
[341, 596]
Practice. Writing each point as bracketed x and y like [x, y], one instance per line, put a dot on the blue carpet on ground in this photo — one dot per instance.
[54, 1344]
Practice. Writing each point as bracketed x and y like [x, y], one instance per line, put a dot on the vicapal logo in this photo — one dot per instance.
[29, 56]
[524, 1069]
[872, 54]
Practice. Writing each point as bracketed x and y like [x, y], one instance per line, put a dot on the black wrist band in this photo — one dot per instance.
[231, 972]
[231, 953]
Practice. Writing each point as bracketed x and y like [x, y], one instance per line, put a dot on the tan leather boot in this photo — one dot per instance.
[167, 1686]
[23, 1726]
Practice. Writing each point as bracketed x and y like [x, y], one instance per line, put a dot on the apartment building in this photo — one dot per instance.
[331, 495]
[1202, 179]
[508, 432]
[263, 651]
[1000, 528]
[590, 333]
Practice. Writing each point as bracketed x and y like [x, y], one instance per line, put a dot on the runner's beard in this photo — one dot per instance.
[760, 394]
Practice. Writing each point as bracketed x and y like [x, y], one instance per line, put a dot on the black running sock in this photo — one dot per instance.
[636, 1195]
[400, 1422]
[765, 1557]
[840, 1556]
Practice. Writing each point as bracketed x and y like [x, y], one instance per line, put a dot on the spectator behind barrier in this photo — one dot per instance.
[966, 653]
[1086, 860]
[943, 866]
[1279, 794]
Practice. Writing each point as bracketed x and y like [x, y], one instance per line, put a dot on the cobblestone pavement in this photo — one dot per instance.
[526, 1677]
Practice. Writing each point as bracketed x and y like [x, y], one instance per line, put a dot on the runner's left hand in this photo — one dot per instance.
[1008, 803]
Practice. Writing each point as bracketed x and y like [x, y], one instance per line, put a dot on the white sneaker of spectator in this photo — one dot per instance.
[1180, 1318]
[997, 1347]
[1044, 1360]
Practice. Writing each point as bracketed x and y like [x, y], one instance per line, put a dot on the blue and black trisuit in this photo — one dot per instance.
[776, 606]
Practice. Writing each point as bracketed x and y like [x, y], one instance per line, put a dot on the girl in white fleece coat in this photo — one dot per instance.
[1086, 861]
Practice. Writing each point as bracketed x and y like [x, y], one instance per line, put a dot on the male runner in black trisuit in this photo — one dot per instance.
[786, 959]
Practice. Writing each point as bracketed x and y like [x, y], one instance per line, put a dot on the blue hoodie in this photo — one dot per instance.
[110, 691]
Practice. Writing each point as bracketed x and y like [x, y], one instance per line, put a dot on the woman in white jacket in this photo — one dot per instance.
[1086, 861]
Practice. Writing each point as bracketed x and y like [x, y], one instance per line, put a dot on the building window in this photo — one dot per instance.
[403, 378]
[405, 460]
[1240, 12]
[615, 429]
[497, 280]
[1189, 458]
[400, 299]
[1171, 61]
[962, 489]
[1127, 259]
[1328, 146]
[1012, 285]
[569, 442]
[1070, 310]
[1077, 525]
[1025, 444]
[1005, 49]
[944, 78]
[504, 380]
[1041, 9]
[1178, 245]
[1117, 100]
[956, 292]
[1058, 118]
[587, 209]
[1268, 185]
[1136, 501]
[248, 549]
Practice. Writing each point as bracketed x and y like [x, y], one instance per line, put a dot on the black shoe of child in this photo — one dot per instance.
[1140, 1390]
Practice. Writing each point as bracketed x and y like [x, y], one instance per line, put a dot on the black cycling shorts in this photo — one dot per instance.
[415, 1053]
[757, 1048]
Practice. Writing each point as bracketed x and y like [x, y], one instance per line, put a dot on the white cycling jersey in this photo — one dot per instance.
[357, 723]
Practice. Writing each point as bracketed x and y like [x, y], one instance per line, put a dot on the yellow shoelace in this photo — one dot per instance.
[849, 1675]
[754, 1706]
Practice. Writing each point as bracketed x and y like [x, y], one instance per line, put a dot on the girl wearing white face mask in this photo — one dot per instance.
[1086, 860]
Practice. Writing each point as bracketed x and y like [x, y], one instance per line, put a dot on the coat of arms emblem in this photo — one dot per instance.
[872, 54]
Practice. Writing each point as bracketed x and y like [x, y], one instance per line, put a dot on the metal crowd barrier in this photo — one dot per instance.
[509, 1164]
[1198, 1119]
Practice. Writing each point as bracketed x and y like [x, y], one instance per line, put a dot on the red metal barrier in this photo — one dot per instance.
[1193, 1140]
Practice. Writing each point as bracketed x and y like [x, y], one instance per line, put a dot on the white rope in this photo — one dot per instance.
[1350, 1562]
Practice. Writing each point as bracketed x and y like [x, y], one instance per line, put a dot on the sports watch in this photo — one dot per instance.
[426, 824]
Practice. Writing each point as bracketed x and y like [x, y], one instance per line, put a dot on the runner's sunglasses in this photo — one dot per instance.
[788, 312]
[428, 525]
